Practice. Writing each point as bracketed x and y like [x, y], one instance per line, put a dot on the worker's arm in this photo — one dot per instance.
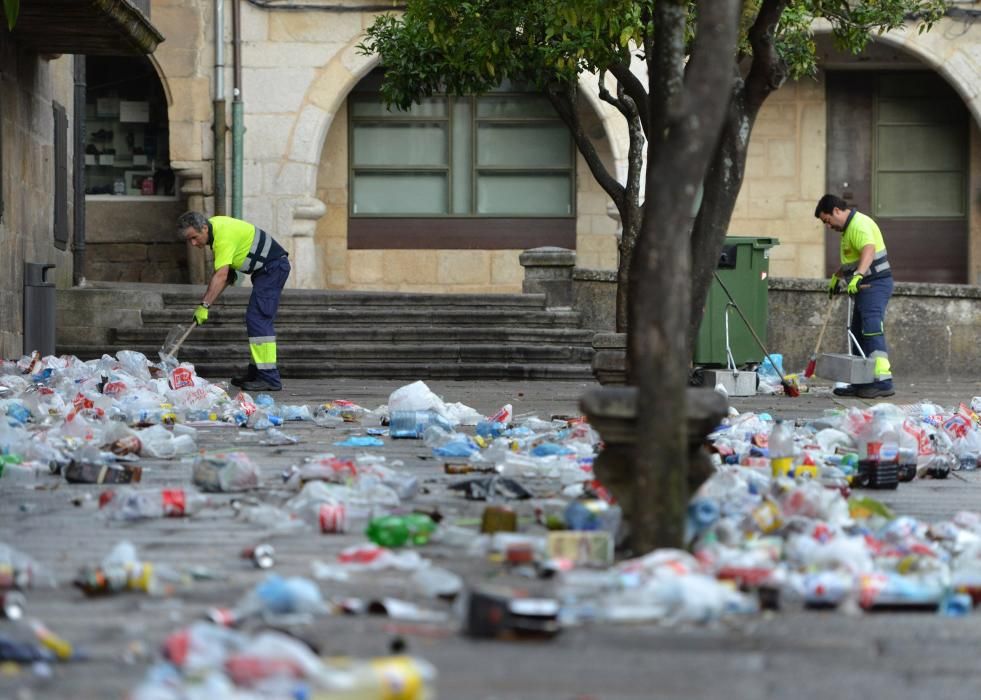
[865, 260]
[217, 285]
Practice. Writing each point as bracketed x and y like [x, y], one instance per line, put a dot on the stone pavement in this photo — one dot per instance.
[788, 654]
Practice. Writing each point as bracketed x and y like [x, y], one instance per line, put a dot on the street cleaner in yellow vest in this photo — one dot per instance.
[866, 276]
[241, 247]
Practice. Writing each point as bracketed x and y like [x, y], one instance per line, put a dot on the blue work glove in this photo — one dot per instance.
[833, 285]
[200, 315]
[853, 283]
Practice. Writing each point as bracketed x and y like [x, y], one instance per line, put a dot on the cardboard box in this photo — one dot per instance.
[581, 547]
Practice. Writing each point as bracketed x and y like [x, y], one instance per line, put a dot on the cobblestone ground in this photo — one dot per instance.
[788, 654]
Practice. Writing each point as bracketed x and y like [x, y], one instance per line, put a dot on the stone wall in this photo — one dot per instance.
[932, 329]
[139, 247]
[28, 85]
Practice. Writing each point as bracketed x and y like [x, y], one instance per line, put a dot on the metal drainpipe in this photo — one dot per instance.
[78, 172]
[220, 123]
[238, 108]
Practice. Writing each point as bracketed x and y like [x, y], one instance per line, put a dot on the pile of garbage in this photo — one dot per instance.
[785, 521]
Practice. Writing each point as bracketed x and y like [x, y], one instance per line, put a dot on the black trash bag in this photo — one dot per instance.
[486, 487]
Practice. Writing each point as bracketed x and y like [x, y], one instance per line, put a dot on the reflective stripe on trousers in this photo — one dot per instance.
[868, 322]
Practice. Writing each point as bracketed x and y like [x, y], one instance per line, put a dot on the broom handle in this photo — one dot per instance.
[749, 326]
[827, 317]
[177, 346]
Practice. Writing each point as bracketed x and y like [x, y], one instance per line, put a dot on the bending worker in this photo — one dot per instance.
[866, 275]
[240, 246]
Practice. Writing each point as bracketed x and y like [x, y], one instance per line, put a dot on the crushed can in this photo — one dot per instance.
[262, 556]
[498, 519]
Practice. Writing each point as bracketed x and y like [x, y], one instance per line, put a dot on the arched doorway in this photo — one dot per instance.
[131, 194]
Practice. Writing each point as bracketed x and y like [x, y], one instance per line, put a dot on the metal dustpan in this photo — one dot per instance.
[172, 343]
[847, 367]
[735, 382]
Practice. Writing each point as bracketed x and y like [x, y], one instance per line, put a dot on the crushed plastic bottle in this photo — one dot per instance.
[399, 530]
[145, 504]
[225, 471]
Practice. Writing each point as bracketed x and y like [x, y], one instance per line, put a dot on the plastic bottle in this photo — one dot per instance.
[781, 444]
[878, 467]
[398, 530]
[387, 677]
[274, 596]
[133, 504]
[412, 424]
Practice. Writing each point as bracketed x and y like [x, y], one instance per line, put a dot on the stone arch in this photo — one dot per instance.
[955, 65]
[328, 91]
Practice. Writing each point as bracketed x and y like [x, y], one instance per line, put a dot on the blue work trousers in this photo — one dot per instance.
[869, 315]
[260, 317]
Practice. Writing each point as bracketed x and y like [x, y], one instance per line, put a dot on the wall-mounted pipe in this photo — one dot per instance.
[238, 110]
[219, 119]
[78, 171]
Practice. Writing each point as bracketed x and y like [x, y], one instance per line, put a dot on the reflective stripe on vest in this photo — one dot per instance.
[880, 263]
[256, 257]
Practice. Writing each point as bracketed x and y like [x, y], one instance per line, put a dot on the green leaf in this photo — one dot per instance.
[11, 8]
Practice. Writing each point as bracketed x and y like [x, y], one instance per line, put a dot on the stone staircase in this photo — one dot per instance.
[371, 334]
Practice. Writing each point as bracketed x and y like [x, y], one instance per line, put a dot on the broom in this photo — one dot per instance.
[789, 388]
[812, 363]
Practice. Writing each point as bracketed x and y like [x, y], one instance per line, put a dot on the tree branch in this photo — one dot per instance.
[633, 87]
[768, 71]
[564, 103]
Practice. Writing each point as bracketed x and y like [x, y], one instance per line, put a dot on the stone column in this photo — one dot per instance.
[191, 175]
[303, 249]
[548, 271]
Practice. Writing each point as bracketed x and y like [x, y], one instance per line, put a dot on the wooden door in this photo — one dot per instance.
[898, 151]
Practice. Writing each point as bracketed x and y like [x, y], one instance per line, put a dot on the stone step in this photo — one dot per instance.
[364, 352]
[218, 367]
[239, 296]
[437, 316]
[368, 334]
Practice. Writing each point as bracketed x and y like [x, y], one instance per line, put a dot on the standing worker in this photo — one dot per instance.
[240, 246]
[866, 275]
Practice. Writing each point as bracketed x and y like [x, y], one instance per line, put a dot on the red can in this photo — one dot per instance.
[333, 518]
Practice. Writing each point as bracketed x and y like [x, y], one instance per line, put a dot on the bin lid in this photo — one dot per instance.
[34, 274]
[755, 241]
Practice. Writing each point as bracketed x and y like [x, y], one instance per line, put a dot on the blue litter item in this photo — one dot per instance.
[360, 441]
[767, 371]
[264, 401]
[412, 424]
[487, 428]
[548, 449]
[457, 448]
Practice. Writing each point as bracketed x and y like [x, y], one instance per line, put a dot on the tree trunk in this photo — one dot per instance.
[686, 120]
[722, 184]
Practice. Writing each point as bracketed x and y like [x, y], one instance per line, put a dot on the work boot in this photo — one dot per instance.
[250, 376]
[876, 390]
[850, 390]
[260, 385]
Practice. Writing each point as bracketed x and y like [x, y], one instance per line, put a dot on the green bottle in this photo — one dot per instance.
[398, 530]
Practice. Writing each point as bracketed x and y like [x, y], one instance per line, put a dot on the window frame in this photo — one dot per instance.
[60, 185]
[449, 229]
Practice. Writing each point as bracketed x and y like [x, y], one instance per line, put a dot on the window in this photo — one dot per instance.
[470, 163]
[126, 144]
[920, 148]
[60, 177]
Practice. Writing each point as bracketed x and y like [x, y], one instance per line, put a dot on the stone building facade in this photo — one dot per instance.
[299, 69]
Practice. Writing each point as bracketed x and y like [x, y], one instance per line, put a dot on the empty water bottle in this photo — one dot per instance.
[412, 424]
[133, 504]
